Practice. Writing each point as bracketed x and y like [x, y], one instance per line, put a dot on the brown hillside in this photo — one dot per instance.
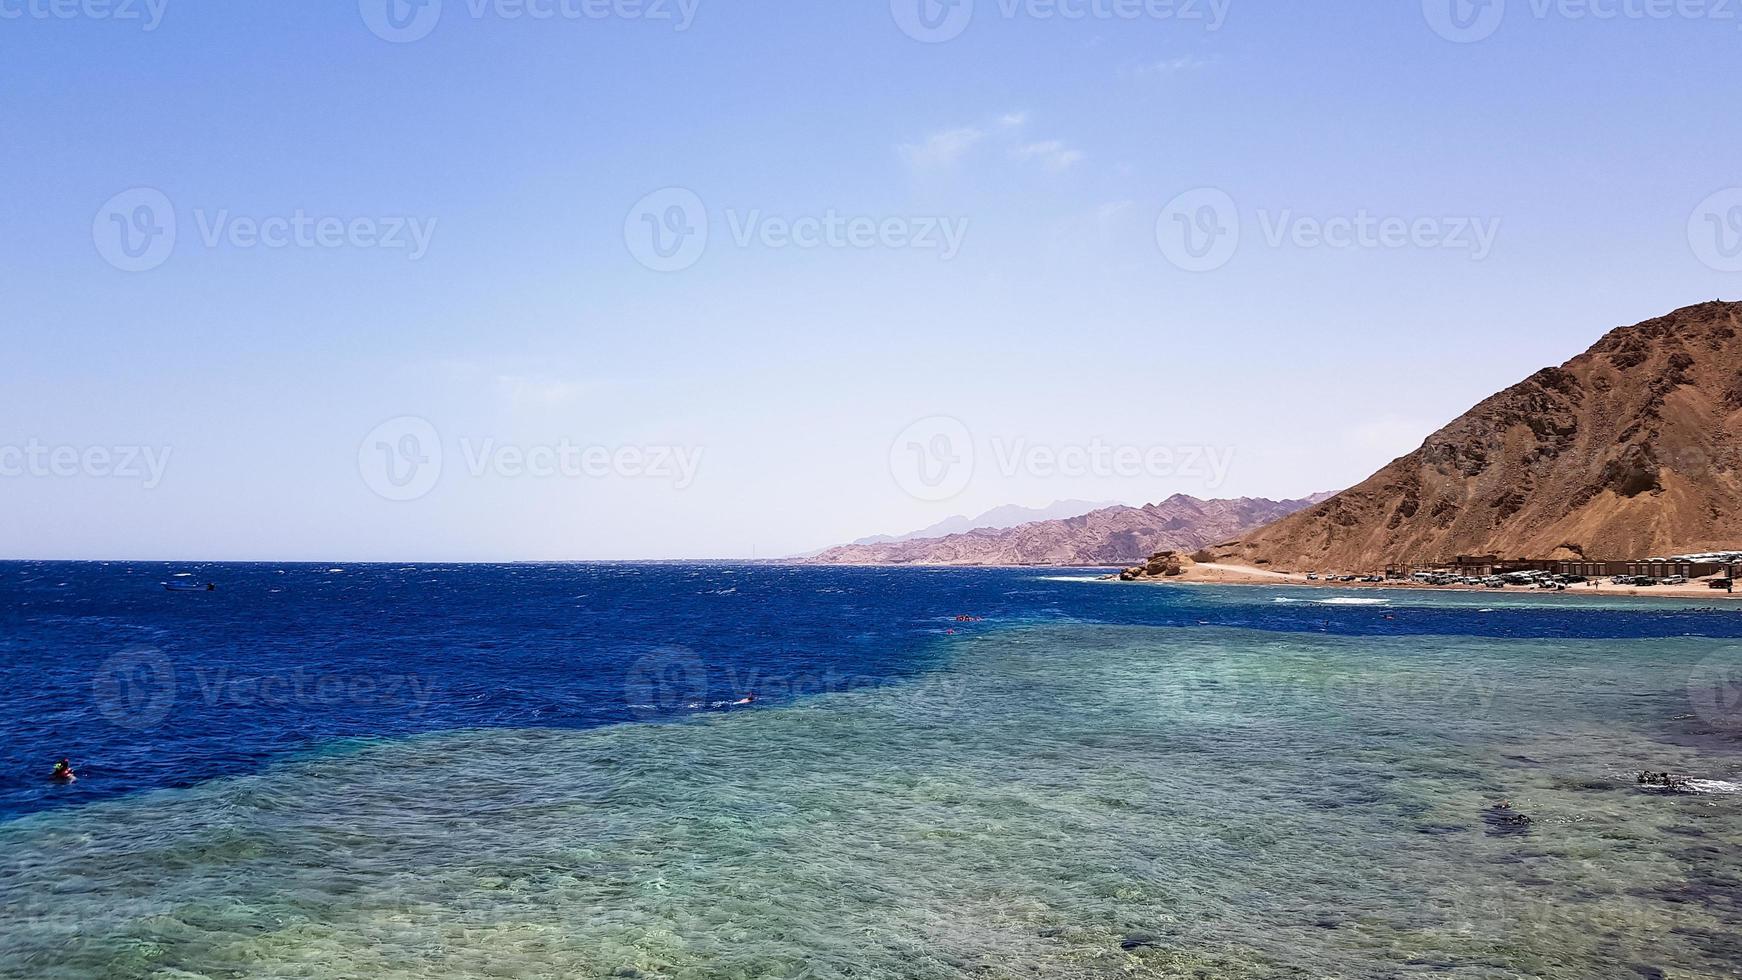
[1630, 450]
[1111, 536]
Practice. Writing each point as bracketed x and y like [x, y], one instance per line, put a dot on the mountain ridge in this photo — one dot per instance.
[1109, 536]
[998, 518]
[1631, 449]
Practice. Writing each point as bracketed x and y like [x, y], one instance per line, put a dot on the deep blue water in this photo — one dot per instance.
[146, 688]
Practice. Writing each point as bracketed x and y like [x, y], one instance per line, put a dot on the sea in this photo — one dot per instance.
[766, 771]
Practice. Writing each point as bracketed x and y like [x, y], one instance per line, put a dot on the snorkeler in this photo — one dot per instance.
[63, 772]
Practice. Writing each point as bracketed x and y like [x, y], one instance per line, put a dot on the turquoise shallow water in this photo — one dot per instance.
[1059, 801]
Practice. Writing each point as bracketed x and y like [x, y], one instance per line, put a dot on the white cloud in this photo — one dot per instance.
[1169, 66]
[1052, 154]
[1107, 213]
[524, 392]
[941, 150]
[1013, 120]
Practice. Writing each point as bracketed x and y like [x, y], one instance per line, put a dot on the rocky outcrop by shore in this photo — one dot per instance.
[1162, 564]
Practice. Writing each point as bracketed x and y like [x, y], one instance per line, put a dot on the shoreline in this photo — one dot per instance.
[1218, 574]
[1244, 575]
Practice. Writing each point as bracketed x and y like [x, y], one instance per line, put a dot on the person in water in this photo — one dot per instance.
[63, 772]
[746, 699]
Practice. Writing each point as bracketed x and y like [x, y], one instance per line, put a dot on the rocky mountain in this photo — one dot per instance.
[1110, 536]
[998, 518]
[1630, 450]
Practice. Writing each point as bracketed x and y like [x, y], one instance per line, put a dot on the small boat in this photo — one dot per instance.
[188, 587]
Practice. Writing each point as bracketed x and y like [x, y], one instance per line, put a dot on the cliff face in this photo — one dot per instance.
[1630, 450]
[1111, 536]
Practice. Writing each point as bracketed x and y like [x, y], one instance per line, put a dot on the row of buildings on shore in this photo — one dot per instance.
[1718, 564]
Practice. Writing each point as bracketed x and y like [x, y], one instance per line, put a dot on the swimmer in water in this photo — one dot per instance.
[63, 772]
[746, 699]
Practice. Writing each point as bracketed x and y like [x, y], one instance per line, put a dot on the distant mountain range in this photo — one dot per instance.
[1631, 450]
[1108, 536]
[998, 518]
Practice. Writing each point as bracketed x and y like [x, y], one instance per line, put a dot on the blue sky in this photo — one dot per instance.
[467, 299]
